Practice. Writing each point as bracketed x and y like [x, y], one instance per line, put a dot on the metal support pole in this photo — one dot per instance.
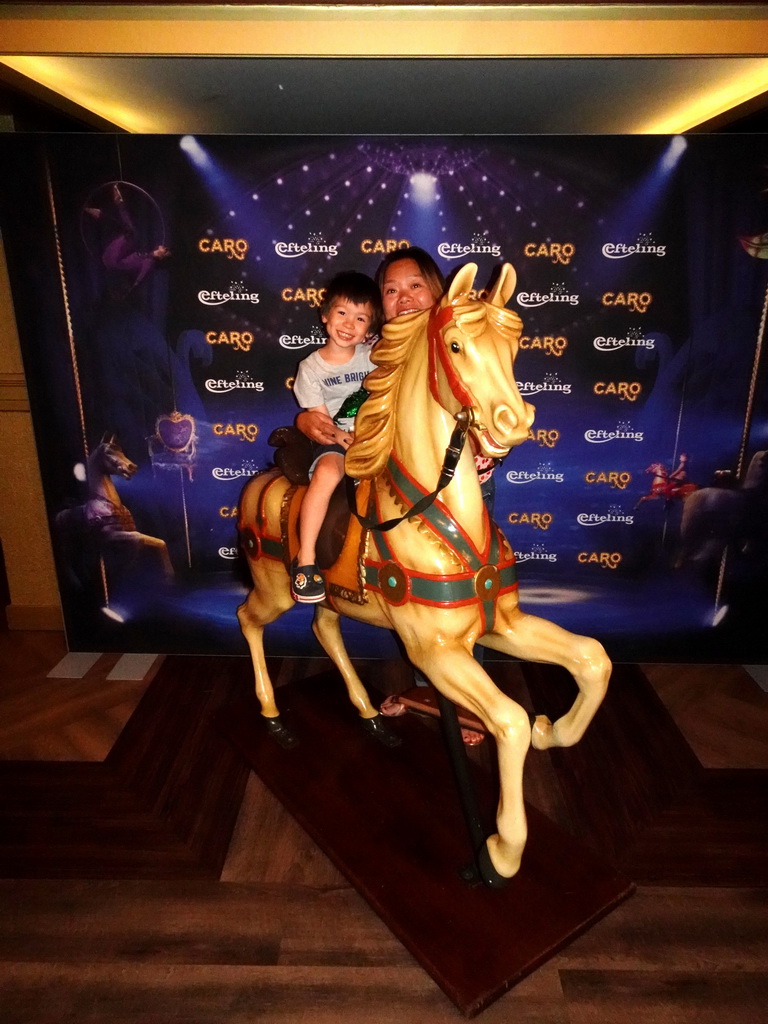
[457, 754]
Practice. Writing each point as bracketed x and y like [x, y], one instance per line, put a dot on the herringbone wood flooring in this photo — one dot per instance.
[148, 878]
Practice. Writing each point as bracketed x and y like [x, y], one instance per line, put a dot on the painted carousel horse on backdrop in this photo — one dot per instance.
[716, 517]
[104, 520]
[666, 485]
[443, 578]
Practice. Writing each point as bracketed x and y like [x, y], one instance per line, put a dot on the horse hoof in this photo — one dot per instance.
[489, 876]
[376, 728]
[279, 731]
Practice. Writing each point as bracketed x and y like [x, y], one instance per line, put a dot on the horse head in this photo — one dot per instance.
[109, 459]
[657, 469]
[472, 349]
[466, 348]
[756, 478]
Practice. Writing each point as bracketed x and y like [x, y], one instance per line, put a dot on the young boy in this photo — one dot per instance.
[351, 313]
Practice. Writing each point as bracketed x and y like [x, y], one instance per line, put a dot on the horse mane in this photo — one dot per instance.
[375, 422]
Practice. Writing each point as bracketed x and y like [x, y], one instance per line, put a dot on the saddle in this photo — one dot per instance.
[293, 457]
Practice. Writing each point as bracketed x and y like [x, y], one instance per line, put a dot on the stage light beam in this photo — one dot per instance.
[188, 144]
[677, 147]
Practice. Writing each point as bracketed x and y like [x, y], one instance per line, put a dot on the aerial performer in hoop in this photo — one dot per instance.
[122, 256]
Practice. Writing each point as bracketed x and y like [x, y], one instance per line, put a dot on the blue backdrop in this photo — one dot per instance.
[643, 306]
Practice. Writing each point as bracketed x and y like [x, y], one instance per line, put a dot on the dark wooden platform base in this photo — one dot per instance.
[390, 821]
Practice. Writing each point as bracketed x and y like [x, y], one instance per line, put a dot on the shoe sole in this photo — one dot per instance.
[307, 600]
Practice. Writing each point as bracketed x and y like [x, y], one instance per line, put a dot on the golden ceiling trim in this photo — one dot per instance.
[506, 30]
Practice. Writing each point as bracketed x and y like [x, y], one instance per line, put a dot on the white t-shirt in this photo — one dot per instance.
[321, 383]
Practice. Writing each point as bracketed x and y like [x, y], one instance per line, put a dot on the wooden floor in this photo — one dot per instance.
[145, 876]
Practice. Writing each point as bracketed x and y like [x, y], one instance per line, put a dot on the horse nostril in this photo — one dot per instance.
[504, 420]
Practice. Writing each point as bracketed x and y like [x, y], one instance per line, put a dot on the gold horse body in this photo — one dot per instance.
[465, 349]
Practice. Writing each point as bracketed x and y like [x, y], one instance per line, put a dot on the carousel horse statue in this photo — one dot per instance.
[104, 519]
[444, 576]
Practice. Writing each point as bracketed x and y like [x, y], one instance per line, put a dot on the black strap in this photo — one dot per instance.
[450, 462]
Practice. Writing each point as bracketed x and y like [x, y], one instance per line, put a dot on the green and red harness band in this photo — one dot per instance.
[483, 578]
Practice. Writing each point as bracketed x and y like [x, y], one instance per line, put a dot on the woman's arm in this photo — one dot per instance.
[317, 425]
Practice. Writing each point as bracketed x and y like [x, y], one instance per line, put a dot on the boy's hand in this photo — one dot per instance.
[344, 439]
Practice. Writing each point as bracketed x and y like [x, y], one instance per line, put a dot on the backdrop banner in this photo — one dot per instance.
[166, 287]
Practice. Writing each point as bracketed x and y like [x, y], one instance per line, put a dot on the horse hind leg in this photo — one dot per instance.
[263, 605]
[325, 626]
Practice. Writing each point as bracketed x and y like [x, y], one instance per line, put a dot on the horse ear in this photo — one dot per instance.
[502, 291]
[462, 282]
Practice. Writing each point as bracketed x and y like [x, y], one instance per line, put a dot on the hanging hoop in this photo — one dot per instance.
[92, 203]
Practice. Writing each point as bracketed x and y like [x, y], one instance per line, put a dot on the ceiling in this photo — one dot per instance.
[509, 68]
[399, 96]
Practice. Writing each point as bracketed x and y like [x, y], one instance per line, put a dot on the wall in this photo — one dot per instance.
[23, 529]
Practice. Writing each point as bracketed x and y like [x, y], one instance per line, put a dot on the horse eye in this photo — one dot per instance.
[455, 346]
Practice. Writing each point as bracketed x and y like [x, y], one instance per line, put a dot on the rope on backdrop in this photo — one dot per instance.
[67, 310]
[72, 348]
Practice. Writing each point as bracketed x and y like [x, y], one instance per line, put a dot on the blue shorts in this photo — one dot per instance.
[319, 450]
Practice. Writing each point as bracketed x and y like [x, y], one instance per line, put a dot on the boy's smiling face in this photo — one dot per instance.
[347, 324]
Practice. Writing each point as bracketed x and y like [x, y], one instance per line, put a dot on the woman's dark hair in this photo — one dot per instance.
[429, 269]
[357, 288]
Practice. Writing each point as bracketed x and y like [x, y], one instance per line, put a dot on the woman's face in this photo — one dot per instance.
[405, 290]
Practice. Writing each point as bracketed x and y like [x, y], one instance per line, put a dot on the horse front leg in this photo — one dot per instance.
[269, 598]
[456, 674]
[139, 543]
[159, 546]
[326, 628]
[533, 639]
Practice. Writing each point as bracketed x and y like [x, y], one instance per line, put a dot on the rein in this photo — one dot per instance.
[464, 420]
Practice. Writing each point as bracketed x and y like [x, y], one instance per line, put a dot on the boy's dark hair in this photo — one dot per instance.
[357, 288]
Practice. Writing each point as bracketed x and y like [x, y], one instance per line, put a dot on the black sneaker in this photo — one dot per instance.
[307, 584]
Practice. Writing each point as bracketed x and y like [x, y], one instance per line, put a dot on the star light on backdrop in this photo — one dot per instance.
[389, 186]
[484, 199]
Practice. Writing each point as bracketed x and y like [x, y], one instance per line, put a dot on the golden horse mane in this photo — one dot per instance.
[375, 422]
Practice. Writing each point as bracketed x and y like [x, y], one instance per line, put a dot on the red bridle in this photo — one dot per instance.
[439, 318]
